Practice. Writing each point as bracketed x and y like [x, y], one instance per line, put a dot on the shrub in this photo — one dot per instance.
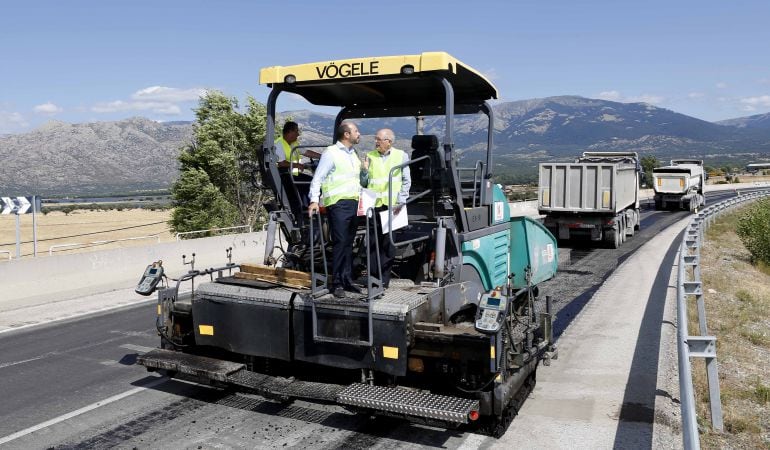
[754, 231]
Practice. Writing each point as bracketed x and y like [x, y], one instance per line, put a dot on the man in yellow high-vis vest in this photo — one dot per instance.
[288, 156]
[375, 176]
[338, 175]
[285, 146]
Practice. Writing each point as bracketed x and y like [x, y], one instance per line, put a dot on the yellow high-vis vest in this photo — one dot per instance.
[379, 170]
[287, 151]
[344, 181]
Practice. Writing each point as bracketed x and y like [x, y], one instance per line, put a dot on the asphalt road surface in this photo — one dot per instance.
[75, 384]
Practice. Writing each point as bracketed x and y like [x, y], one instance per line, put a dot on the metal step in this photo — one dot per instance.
[199, 366]
[409, 402]
[286, 388]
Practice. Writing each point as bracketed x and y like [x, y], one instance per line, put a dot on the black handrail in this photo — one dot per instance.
[408, 200]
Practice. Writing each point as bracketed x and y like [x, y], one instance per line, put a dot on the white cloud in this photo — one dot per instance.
[168, 94]
[119, 105]
[696, 95]
[721, 85]
[47, 108]
[610, 95]
[616, 96]
[11, 122]
[762, 100]
[647, 98]
[155, 99]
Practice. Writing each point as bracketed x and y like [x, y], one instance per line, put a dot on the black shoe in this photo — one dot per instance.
[339, 292]
[351, 288]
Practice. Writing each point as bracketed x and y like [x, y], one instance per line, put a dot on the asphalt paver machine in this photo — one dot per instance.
[457, 337]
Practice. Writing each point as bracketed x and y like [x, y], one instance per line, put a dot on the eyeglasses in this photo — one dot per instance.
[381, 140]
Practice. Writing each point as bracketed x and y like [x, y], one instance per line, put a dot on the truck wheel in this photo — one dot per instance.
[611, 238]
[658, 206]
[631, 227]
[623, 229]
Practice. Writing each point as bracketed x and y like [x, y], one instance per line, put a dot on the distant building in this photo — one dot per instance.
[757, 167]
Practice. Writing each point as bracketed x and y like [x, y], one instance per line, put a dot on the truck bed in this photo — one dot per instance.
[594, 188]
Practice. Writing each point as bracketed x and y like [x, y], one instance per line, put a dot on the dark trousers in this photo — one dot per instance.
[342, 225]
[387, 249]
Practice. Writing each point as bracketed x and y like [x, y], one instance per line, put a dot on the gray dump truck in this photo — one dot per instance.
[597, 197]
[679, 185]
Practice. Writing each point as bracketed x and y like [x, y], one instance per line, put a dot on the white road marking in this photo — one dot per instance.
[137, 348]
[4, 365]
[84, 313]
[83, 410]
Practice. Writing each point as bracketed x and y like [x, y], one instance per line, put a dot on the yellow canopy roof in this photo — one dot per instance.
[381, 82]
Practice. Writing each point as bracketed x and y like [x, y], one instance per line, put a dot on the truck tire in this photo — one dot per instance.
[637, 220]
[622, 229]
[611, 238]
[658, 206]
[631, 227]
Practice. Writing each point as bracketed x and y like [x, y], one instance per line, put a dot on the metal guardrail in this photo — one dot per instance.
[75, 244]
[7, 251]
[689, 283]
[179, 235]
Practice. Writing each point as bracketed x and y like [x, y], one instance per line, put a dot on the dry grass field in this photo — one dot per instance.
[83, 226]
[737, 296]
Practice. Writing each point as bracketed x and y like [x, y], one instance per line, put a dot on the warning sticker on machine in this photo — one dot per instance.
[499, 211]
[548, 253]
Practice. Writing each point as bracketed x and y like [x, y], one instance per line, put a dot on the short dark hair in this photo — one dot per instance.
[290, 126]
[344, 128]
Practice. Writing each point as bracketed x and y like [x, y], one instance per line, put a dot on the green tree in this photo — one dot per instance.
[214, 188]
[754, 230]
[200, 205]
[649, 162]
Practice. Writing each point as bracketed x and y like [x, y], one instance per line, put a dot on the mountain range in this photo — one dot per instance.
[137, 153]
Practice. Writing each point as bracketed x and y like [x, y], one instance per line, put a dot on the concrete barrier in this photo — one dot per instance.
[528, 208]
[29, 282]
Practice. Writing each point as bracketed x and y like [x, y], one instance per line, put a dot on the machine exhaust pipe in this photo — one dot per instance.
[438, 264]
[270, 242]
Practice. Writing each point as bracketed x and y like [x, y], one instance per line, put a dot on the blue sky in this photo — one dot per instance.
[81, 61]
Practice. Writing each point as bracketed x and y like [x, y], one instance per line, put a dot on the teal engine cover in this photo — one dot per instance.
[524, 244]
[533, 246]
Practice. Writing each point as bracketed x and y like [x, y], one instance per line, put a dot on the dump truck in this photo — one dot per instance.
[458, 336]
[597, 197]
[679, 185]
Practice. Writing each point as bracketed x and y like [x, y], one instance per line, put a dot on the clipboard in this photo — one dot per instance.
[400, 220]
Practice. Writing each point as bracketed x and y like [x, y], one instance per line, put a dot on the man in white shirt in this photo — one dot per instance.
[338, 174]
